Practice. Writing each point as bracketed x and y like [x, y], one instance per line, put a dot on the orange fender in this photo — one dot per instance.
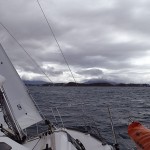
[140, 135]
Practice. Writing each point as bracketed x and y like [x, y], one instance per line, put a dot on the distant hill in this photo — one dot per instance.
[107, 84]
[87, 83]
[28, 82]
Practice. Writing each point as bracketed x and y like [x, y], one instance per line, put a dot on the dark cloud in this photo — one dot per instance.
[91, 72]
[52, 71]
[112, 35]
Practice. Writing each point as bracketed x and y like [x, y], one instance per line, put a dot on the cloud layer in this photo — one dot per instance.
[103, 39]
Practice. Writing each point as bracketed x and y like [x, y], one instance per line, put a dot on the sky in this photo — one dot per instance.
[102, 40]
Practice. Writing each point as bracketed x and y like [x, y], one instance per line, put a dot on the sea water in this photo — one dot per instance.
[82, 107]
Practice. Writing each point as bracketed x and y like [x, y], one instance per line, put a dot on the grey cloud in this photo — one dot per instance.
[85, 31]
[52, 71]
[91, 72]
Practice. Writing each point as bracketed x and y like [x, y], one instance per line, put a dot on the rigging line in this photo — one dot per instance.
[37, 65]
[36, 144]
[51, 30]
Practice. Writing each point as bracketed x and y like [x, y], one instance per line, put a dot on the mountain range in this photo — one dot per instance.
[86, 83]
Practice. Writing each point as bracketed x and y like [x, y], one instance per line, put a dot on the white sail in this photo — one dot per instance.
[22, 105]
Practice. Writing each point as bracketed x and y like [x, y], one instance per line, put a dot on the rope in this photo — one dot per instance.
[60, 117]
[54, 116]
[36, 144]
[39, 68]
[51, 30]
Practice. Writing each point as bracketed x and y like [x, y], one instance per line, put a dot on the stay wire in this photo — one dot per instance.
[43, 116]
[36, 144]
[60, 49]
[35, 63]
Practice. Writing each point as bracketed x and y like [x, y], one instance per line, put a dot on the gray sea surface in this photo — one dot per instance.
[87, 107]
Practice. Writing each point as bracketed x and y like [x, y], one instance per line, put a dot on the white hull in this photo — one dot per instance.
[59, 140]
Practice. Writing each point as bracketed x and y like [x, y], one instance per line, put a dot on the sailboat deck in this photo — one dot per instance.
[59, 141]
[10, 144]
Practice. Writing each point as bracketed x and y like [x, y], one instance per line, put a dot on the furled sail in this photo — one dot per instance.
[22, 105]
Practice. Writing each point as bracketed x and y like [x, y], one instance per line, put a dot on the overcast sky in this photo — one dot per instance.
[101, 39]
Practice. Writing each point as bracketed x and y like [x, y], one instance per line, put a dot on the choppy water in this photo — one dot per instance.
[76, 103]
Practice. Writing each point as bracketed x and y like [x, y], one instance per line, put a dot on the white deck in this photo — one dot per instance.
[59, 141]
[14, 145]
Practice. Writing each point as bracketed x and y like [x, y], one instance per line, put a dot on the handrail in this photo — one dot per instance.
[60, 117]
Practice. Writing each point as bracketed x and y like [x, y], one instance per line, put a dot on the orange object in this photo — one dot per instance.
[140, 135]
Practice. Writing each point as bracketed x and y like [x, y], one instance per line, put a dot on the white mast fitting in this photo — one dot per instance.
[2, 80]
[23, 107]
